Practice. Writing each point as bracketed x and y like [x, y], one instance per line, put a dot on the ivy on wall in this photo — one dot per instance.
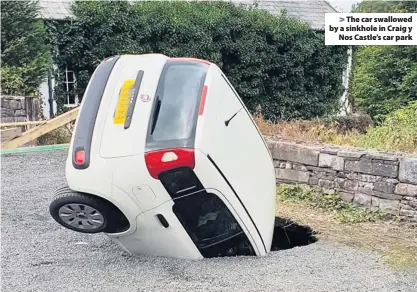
[276, 63]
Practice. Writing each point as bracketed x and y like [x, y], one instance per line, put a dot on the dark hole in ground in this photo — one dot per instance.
[288, 234]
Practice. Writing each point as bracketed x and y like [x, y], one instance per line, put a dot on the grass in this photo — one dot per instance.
[397, 133]
[342, 211]
[306, 131]
[344, 223]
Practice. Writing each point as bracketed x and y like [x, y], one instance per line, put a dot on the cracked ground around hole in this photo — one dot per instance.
[39, 255]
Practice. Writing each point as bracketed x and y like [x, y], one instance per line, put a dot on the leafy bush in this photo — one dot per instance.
[20, 81]
[275, 62]
[397, 132]
[384, 78]
[25, 55]
[11, 80]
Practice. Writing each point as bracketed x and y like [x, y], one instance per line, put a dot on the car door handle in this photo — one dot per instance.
[162, 220]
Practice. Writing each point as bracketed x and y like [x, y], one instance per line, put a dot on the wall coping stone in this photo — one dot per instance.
[333, 149]
[12, 96]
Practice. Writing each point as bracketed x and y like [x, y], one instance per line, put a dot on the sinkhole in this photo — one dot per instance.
[288, 234]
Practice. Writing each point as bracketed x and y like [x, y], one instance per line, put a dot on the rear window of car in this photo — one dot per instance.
[177, 101]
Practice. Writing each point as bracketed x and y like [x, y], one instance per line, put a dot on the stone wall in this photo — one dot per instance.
[376, 179]
[19, 109]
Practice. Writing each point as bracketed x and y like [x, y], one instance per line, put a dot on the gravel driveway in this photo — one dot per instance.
[39, 255]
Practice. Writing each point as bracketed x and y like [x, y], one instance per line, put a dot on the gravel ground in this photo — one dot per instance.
[39, 255]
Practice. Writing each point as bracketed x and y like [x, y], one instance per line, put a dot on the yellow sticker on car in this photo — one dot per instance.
[123, 103]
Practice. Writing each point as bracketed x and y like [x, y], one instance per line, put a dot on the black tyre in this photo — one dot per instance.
[80, 212]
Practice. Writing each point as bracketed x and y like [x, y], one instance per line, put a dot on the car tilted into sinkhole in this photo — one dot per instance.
[166, 160]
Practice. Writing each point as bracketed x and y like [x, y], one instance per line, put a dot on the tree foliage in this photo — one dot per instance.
[386, 7]
[275, 62]
[25, 54]
[384, 78]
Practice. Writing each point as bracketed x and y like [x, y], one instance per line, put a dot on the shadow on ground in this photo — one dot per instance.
[288, 234]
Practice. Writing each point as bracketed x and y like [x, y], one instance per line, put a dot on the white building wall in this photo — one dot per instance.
[344, 99]
[44, 94]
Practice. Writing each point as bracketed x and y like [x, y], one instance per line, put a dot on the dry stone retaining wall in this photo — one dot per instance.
[375, 179]
[19, 109]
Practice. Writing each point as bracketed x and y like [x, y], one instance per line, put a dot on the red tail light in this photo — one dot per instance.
[79, 157]
[162, 160]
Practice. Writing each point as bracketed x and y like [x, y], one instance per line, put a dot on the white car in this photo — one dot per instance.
[166, 160]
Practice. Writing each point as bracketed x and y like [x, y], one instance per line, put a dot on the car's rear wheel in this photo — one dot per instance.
[80, 212]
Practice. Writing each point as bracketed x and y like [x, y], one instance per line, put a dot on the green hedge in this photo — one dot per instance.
[275, 62]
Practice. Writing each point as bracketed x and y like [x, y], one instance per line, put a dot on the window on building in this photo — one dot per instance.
[69, 88]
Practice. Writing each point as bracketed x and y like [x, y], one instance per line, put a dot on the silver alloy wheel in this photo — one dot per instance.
[81, 216]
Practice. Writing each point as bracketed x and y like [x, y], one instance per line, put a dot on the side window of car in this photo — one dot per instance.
[176, 105]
